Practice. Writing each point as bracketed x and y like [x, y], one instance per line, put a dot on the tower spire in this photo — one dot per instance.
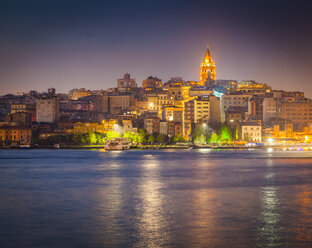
[207, 57]
[207, 68]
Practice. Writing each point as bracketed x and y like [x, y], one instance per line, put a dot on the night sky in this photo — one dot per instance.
[73, 44]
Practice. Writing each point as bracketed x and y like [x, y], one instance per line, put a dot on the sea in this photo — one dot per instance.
[155, 198]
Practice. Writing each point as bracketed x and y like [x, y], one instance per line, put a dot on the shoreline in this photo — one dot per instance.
[157, 147]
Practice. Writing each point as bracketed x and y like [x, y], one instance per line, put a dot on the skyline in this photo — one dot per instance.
[78, 44]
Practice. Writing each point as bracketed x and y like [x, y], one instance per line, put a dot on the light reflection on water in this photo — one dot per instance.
[163, 198]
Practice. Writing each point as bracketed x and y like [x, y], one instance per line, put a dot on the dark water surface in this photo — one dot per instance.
[158, 198]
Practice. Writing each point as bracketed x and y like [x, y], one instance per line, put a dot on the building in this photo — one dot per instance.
[234, 115]
[151, 83]
[113, 104]
[250, 132]
[14, 134]
[271, 109]
[21, 118]
[207, 68]
[26, 108]
[78, 93]
[298, 113]
[128, 127]
[126, 82]
[214, 113]
[172, 113]
[255, 108]
[119, 103]
[47, 110]
[163, 127]
[152, 125]
[197, 110]
[233, 100]
[103, 127]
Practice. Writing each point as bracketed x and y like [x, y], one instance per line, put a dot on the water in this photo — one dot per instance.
[157, 198]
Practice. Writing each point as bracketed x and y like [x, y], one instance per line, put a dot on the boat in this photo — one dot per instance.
[118, 144]
[57, 146]
[25, 145]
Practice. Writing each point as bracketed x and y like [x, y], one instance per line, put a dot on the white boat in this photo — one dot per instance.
[117, 144]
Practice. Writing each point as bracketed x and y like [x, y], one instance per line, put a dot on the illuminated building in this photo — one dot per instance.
[78, 93]
[15, 134]
[102, 127]
[151, 83]
[126, 82]
[207, 68]
[250, 132]
[47, 110]
[196, 111]
[249, 85]
[172, 113]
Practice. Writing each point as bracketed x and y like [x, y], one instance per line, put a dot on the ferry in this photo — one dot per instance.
[118, 144]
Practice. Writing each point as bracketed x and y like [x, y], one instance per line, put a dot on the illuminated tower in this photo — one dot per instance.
[207, 68]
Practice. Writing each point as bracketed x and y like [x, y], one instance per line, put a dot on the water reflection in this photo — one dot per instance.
[152, 223]
[268, 232]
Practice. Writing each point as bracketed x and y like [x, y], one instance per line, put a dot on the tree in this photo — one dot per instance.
[178, 138]
[199, 135]
[133, 137]
[225, 134]
[151, 139]
[90, 138]
[214, 138]
[112, 135]
[160, 138]
[78, 139]
[141, 136]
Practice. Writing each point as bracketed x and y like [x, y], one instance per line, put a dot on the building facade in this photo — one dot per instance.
[47, 110]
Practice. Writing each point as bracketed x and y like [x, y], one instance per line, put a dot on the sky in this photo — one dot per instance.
[76, 43]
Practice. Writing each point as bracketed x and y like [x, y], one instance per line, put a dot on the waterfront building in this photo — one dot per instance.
[14, 134]
[207, 68]
[47, 110]
[250, 132]
[103, 127]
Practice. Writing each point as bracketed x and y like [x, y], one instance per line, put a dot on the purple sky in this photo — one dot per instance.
[73, 44]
